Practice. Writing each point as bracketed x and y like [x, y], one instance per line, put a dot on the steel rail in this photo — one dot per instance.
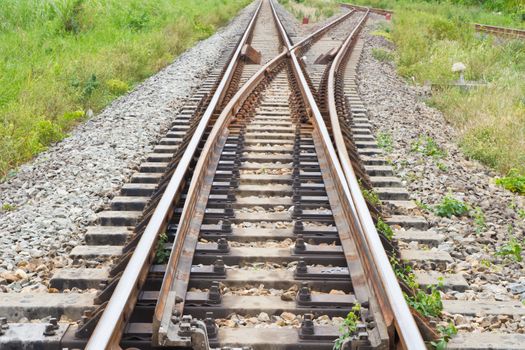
[168, 301]
[404, 321]
[109, 328]
[505, 31]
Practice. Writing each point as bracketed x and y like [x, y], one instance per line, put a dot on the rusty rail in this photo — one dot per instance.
[502, 31]
[109, 329]
[388, 285]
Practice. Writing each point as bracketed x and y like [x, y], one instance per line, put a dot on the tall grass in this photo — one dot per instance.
[59, 58]
[315, 10]
[429, 38]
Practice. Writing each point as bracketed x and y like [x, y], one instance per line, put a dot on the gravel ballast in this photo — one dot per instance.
[58, 194]
[398, 109]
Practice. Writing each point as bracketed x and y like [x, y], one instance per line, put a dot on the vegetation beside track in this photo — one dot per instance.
[315, 10]
[60, 58]
[431, 37]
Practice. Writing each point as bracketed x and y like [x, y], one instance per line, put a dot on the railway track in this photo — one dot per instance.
[270, 242]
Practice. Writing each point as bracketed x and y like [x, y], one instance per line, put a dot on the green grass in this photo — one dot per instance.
[59, 58]
[383, 55]
[315, 10]
[431, 36]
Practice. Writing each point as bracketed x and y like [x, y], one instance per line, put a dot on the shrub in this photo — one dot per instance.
[513, 182]
[48, 132]
[512, 248]
[117, 87]
[450, 206]
[385, 229]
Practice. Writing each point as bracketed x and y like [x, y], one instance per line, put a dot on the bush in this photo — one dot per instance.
[450, 206]
[513, 182]
[48, 132]
[117, 87]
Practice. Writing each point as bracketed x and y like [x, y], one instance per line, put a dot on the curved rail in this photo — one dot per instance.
[116, 314]
[504, 31]
[404, 322]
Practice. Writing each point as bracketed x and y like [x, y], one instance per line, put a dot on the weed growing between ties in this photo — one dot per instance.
[385, 141]
[162, 255]
[446, 334]
[349, 327]
[61, 58]
[385, 229]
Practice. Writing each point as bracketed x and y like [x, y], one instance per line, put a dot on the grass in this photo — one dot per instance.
[60, 58]
[315, 10]
[383, 55]
[430, 36]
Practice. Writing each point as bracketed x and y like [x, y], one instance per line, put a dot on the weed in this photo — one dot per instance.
[441, 166]
[404, 272]
[512, 248]
[371, 197]
[117, 87]
[513, 182]
[422, 205]
[8, 207]
[385, 229]
[162, 255]
[382, 55]
[450, 206]
[485, 262]
[427, 304]
[384, 140]
[427, 146]
[479, 220]
[446, 334]
[521, 213]
[349, 327]
[89, 86]
[48, 132]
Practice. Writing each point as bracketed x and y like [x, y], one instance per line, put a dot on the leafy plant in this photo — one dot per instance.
[162, 255]
[384, 141]
[422, 205]
[427, 146]
[371, 196]
[451, 206]
[512, 248]
[446, 334]
[349, 326]
[117, 87]
[513, 182]
[385, 229]
[404, 272]
[479, 220]
[427, 304]
[382, 55]
[48, 132]
[441, 166]
[8, 207]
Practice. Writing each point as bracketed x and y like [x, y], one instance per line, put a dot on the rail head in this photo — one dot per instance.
[405, 324]
[109, 328]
